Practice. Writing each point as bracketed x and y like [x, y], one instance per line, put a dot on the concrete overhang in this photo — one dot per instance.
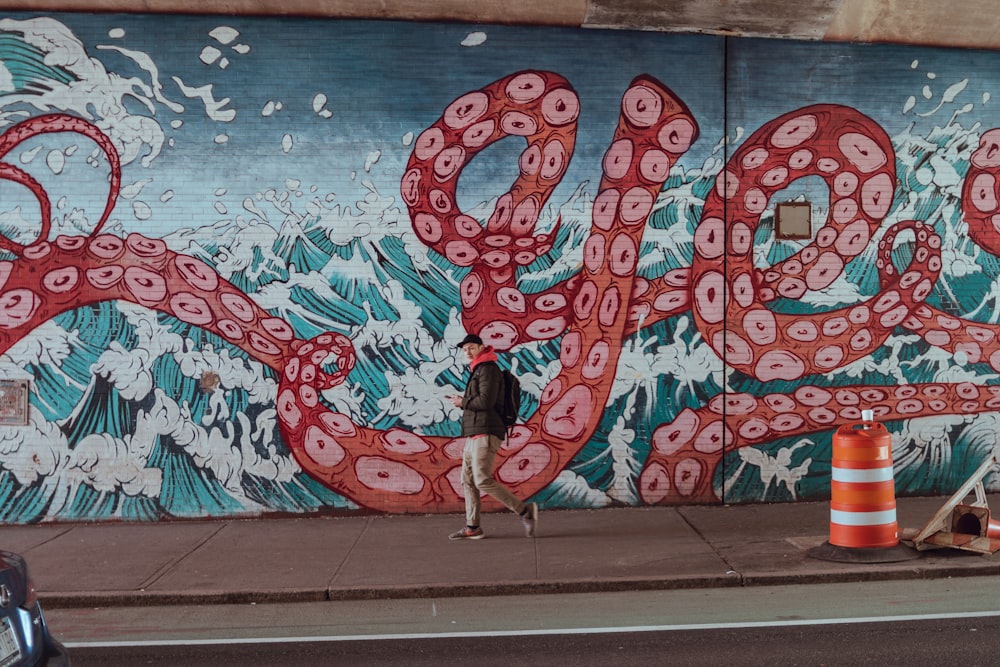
[960, 23]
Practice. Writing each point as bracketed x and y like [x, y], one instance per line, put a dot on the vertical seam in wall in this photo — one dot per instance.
[725, 255]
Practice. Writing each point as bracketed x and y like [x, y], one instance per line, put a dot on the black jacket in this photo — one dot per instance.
[481, 403]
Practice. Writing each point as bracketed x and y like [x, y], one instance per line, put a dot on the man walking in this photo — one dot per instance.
[484, 433]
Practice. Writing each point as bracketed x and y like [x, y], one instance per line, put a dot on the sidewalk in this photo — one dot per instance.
[327, 558]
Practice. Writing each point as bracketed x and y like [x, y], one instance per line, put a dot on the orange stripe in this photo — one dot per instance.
[870, 486]
[878, 504]
[854, 487]
[862, 500]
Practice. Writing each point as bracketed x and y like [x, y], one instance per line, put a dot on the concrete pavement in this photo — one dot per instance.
[362, 557]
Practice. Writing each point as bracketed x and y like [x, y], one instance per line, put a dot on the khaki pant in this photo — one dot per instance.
[477, 477]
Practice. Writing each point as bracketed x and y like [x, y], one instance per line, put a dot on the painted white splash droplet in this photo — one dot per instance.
[27, 156]
[286, 143]
[141, 210]
[474, 39]
[56, 161]
[954, 90]
[132, 190]
[224, 34]
[209, 55]
[319, 102]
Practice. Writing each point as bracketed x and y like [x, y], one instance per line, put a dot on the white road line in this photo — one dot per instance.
[531, 633]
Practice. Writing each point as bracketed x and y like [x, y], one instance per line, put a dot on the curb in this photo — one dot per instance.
[56, 600]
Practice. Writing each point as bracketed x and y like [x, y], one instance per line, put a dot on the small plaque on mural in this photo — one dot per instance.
[13, 402]
[793, 220]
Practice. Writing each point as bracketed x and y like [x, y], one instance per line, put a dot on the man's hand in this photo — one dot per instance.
[456, 400]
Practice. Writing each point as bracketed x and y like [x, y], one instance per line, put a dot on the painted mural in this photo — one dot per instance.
[237, 256]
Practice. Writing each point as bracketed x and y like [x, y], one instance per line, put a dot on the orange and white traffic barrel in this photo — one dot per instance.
[862, 488]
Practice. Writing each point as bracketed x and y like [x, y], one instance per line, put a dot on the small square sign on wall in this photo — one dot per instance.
[793, 220]
[13, 402]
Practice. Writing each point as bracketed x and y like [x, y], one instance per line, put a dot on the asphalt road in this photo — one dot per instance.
[966, 642]
[912, 623]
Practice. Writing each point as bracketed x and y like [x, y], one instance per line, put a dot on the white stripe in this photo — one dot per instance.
[862, 518]
[532, 632]
[857, 476]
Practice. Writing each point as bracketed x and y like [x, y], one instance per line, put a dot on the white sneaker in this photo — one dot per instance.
[530, 519]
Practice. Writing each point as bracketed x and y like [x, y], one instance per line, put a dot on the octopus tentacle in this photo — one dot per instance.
[543, 108]
[388, 470]
[397, 470]
[856, 159]
[654, 129]
[74, 271]
[9, 172]
[49, 123]
[686, 452]
[655, 300]
[980, 205]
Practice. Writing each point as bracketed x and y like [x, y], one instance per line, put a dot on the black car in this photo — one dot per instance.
[24, 636]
